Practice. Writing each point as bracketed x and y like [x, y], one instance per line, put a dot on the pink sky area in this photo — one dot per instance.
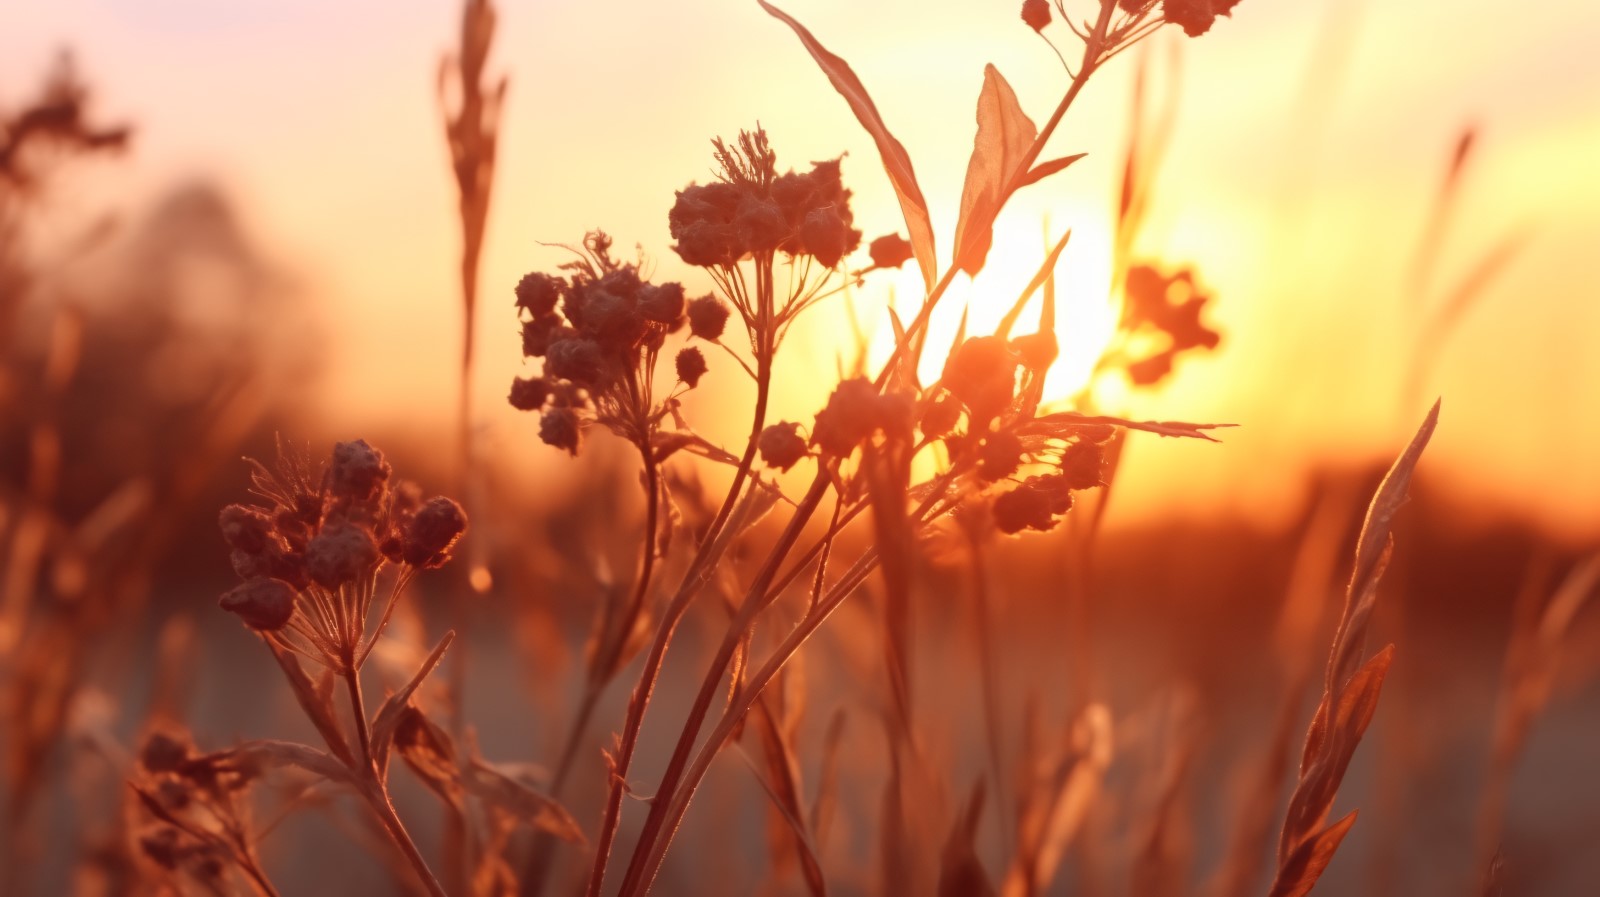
[1310, 140]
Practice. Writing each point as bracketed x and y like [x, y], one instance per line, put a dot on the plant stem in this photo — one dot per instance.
[756, 600]
[352, 680]
[693, 579]
[378, 798]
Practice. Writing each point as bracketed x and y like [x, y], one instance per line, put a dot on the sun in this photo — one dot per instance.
[1086, 317]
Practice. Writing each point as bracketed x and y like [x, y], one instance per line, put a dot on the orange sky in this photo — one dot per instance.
[321, 119]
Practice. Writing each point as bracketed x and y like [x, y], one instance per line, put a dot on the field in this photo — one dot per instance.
[1067, 447]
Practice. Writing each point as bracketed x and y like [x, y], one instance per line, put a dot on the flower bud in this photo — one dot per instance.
[539, 333]
[263, 604]
[538, 293]
[781, 445]
[826, 236]
[940, 417]
[1081, 465]
[890, 251]
[342, 552]
[691, 366]
[662, 303]
[852, 414]
[1036, 13]
[245, 529]
[558, 426]
[358, 470]
[432, 531]
[708, 317]
[163, 753]
[999, 456]
[759, 225]
[529, 393]
[578, 360]
[1022, 508]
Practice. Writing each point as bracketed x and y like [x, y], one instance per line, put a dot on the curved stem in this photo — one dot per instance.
[756, 599]
[378, 798]
[693, 579]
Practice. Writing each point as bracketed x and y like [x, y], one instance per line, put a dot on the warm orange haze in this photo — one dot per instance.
[1008, 448]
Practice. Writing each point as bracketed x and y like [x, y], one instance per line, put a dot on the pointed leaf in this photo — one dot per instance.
[895, 159]
[1005, 136]
[1045, 169]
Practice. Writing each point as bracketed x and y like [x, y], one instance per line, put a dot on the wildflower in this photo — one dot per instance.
[999, 456]
[1037, 504]
[855, 412]
[691, 366]
[311, 558]
[708, 317]
[983, 375]
[781, 445]
[537, 293]
[528, 393]
[263, 604]
[1081, 464]
[1036, 13]
[1196, 16]
[357, 472]
[431, 531]
[341, 553]
[558, 427]
[890, 251]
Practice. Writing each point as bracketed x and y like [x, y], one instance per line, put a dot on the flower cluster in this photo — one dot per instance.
[1195, 17]
[857, 412]
[600, 330]
[1167, 305]
[1039, 502]
[310, 556]
[753, 210]
[199, 808]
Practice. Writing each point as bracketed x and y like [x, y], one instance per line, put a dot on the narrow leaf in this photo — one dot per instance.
[1045, 169]
[1040, 277]
[896, 161]
[1305, 865]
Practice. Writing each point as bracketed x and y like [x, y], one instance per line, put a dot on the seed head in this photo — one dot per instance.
[1037, 504]
[537, 293]
[245, 529]
[343, 552]
[662, 303]
[855, 412]
[1037, 350]
[781, 445]
[889, 251]
[940, 416]
[539, 332]
[691, 366]
[999, 456]
[432, 531]
[1081, 464]
[558, 426]
[1036, 13]
[263, 604]
[164, 753]
[529, 393]
[826, 236]
[579, 360]
[358, 471]
[708, 317]
[983, 375]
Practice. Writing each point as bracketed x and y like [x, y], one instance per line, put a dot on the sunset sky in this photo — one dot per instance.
[1310, 140]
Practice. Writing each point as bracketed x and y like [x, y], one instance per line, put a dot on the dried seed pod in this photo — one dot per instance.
[529, 393]
[1081, 465]
[264, 604]
[245, 528]
[164, 753]
[1036, 13]
[691, 366]
[358, 471]
[890, 251]
[538, 293]
[558, 426]
[431, 532]
[999, 456]
[781, 445]
[708, 317]
[343, 552]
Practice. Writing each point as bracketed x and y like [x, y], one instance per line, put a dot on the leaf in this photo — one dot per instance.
[1305, 865]
[1005, 137]
[961, 873]
[383, 726]
[1046, 269]
[780, 792]
[895, 159]
[267, 752]
[1045, 169]
[539, 810]
[315, 702]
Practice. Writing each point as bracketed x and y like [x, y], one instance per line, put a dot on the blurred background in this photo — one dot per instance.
[1386, 202]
